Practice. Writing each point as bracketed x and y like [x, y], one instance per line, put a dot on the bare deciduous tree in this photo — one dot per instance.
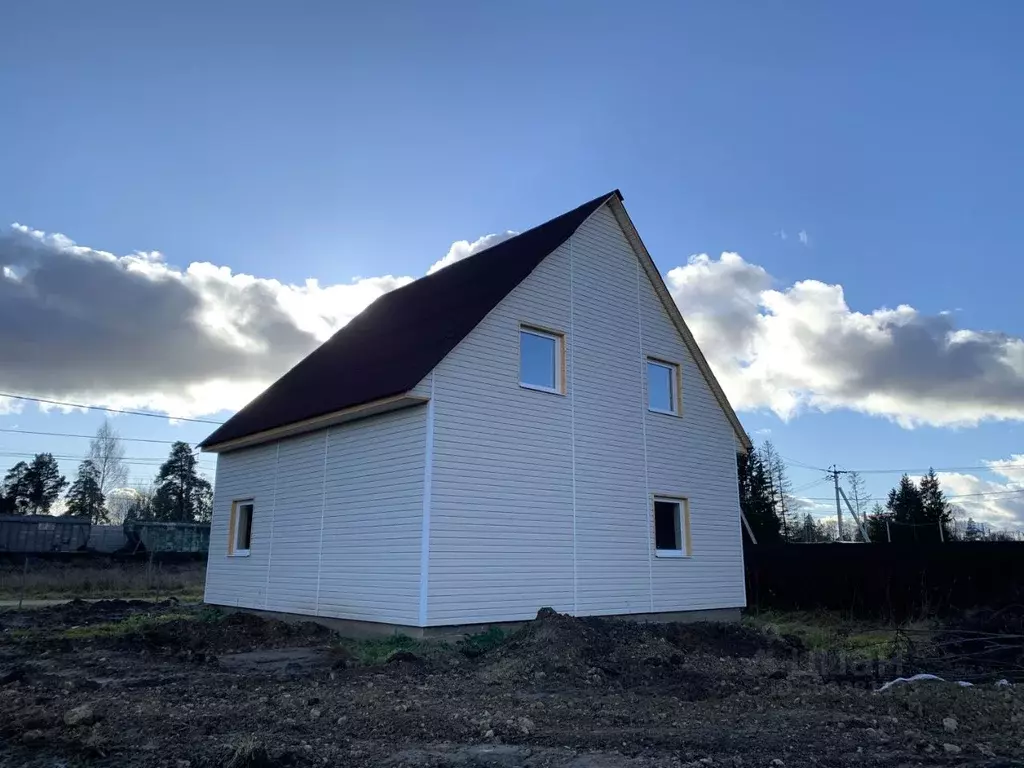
[860, 499]
[106, 452]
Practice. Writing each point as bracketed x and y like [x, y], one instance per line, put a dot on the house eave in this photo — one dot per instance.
[343, 416]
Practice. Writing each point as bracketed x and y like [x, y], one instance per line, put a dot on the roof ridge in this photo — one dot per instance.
[488, 249]
[602, 198]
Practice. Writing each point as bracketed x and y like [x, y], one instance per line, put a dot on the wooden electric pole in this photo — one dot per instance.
[839, 509]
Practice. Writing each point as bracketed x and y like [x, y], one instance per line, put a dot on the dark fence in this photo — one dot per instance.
[892, 580]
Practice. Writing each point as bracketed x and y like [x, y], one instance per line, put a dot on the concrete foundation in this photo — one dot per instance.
[368, 630]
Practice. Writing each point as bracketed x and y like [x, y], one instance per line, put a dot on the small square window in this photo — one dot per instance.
[663, 387]
[671, 528]
[241, 528]
[540, 359]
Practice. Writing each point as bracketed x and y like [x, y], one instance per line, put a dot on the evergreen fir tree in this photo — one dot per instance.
[935, 508]
[45, 483]
[14, 491]
[876, 523]
[807, 532]
[906, 510]
[85, 497]
[182, 495]
[755, 498]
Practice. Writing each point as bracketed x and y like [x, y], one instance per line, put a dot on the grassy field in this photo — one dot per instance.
[834, 632]
[50, 580]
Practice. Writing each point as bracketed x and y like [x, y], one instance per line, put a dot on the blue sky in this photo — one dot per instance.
[331, 142]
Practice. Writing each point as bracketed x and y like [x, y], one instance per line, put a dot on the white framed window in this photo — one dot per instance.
[671, 527]
[240, 527]
[663, 387]
[541, 359]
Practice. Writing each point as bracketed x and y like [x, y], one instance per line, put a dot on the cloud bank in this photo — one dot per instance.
[134, 331]
[998, 502]
[802, 347]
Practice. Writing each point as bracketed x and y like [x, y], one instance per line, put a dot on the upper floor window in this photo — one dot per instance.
[663, 387]
[541, 359]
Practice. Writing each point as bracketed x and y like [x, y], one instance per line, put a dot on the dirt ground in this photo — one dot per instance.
[128, 683]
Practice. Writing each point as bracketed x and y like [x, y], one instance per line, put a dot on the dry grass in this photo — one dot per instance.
[832, 631]
[67, 580]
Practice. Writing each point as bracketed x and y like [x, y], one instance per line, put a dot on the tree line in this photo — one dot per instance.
[913, 512]
[178, 493]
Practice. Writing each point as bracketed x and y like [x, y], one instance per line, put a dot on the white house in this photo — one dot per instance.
[532, 426]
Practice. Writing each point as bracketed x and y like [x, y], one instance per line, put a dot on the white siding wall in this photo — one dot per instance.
[242, 474]
[612, 562]
[338, 537]
[545, 500]
[501, 522]
[695, 457]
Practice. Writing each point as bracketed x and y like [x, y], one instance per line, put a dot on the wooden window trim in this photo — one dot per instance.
[677, 382]
[684, 511]
[233, 526]
[560, 367]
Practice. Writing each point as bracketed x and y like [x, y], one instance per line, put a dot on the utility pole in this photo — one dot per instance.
[839, 509]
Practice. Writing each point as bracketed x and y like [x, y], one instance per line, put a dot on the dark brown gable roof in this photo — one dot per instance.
[390, 346]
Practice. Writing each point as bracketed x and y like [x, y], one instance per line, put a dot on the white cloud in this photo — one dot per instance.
[1011, 469]
[817, 508]
[802, 347]
[462, 248]
[781, 234]
[803, 237]
[10, 406]
[1000, 502]
[133, 331]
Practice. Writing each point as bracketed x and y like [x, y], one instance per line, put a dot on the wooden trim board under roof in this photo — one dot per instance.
[343, 416]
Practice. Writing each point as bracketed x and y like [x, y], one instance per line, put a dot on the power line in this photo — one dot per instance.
[90, 437]
[140, 460]
[909, 471]
[109, 410]
[956, 496]
[806, 486]
[800, 464]
[985, 493]
[939, 469]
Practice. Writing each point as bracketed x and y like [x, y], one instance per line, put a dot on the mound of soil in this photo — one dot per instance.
[82, 613]
[235, 632]
[565, 650]
[724, 639]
